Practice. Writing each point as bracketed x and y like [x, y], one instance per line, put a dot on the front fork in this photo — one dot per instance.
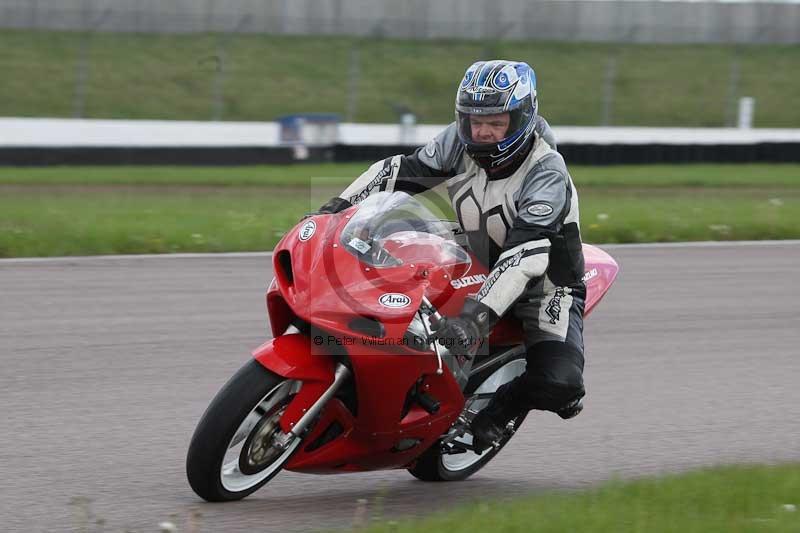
[283, 440]
[290, 356]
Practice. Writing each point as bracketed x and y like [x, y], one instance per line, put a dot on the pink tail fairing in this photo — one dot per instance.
[601, 271]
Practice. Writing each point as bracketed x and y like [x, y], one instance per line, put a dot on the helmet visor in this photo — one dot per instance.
[491, 128]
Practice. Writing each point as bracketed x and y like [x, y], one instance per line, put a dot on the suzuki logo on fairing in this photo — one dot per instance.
[394, 300]
[590, 274]
[307, 231]
[466, 281]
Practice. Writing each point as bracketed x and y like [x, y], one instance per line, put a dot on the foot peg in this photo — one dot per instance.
[485, 433]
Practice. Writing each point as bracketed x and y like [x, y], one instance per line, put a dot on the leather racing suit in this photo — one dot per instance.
[525, 227]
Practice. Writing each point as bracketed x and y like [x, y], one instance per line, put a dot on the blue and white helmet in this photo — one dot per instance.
[494, 87]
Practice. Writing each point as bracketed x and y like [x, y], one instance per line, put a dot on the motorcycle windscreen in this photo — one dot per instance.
[393, 229]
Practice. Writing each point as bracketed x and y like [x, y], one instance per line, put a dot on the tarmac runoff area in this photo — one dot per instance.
[108, 363]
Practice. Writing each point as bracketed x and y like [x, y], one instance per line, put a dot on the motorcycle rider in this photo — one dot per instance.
[516, 202]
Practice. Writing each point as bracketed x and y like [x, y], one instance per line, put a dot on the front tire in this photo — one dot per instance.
[230, 455]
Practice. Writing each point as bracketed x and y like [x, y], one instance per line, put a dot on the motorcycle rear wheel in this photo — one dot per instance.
[437, 465]
[231, 454]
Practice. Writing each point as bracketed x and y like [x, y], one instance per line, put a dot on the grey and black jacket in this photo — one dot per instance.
[523, 226]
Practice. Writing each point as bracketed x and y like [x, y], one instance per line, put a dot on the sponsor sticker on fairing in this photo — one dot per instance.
[307, 230]
[590, 274]
[359, 245]
[467, 281]
[394, 300]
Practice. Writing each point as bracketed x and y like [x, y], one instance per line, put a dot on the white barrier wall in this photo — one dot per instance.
[569, 20]
[43, 133]
[47, 132]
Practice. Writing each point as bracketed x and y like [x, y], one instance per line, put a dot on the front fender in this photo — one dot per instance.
[291, 356]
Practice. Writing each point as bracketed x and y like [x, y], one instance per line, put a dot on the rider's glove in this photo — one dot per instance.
[334, 205]
[464, 334]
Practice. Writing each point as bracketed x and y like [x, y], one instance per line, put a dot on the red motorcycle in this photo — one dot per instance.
[355, 379]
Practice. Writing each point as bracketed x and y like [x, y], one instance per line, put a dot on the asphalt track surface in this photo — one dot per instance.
[107, 364]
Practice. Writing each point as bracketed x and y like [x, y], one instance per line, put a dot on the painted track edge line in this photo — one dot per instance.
[222, 255]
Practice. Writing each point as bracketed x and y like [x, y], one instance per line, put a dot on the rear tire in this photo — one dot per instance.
[436, 465]
[243, 415]
[433, 464]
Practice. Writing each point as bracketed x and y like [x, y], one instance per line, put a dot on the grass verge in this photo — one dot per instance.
[729, 499]
[341, 174]
[128, 210]
[88, 221]
[129, 75]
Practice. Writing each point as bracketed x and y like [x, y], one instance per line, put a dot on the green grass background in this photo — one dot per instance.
[721, 500]
[141, 76]
[754, 175]
[112, 210]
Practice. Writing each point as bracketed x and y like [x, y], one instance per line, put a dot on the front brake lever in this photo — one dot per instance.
[431, 338]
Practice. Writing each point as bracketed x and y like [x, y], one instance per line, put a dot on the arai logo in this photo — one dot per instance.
[307, 231]
[394, 300]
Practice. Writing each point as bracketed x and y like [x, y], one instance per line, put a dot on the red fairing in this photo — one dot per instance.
[323, 284]
[351, 312]
[600, 272]
[290, 356]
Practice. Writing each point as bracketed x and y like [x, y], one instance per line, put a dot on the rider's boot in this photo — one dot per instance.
[489, 425]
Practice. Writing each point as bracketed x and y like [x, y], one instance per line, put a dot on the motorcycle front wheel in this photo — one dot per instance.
[231, 453]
